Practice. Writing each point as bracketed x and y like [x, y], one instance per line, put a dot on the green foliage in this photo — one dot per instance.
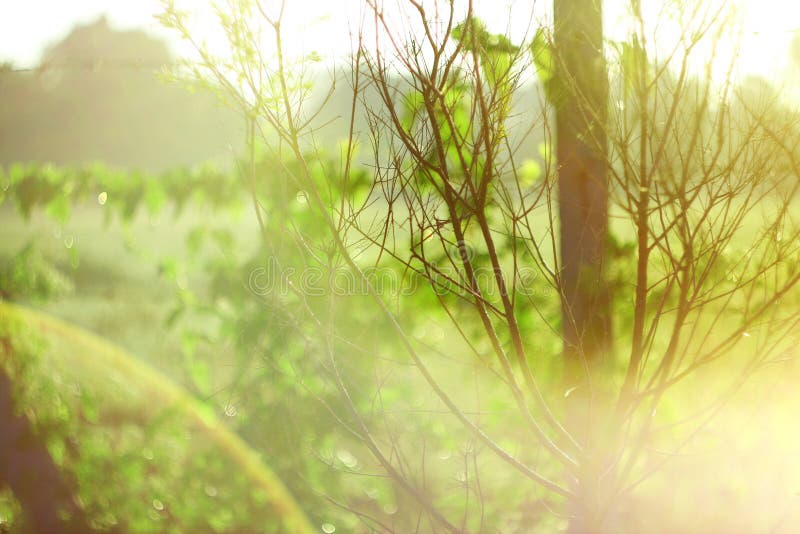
[28, 274]
[211, 289]
[495, 50]
[144, 456]
[56, 189]
[472, 35]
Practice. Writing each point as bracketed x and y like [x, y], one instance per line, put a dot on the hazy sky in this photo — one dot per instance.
[28, 26]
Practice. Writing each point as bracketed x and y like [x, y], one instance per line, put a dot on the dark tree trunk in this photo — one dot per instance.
[27, 469]
[580, 98]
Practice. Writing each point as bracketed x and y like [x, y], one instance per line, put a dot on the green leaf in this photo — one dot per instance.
[17, 173]
[472, 33]
[544, 61]
[631, 58]
[200, 373]
[59, 209]
[529, 172]
[496, 68]
[169, 268]
[195, 240]
[224, 239]
[412, 104]
[189, 344]
[154, 196]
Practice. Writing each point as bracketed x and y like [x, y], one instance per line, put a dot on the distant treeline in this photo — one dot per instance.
[97, 96]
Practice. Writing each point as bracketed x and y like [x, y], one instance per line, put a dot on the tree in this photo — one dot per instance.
[104, 83]
[686, 166]
[580, 103]
[27, 468]
[580, 99]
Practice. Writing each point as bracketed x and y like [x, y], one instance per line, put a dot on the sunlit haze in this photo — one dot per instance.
[395, 266]
[27, 28]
